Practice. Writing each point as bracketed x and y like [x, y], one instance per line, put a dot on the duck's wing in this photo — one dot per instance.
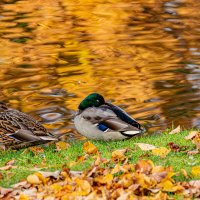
[122, 115]
[17, 127]
[106, 120]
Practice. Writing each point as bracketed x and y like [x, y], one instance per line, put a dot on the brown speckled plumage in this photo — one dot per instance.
[19, 130]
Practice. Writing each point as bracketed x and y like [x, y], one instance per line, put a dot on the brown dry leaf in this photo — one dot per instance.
[61, 145]
[158, 176]
[33, 179]
[98, 160]
[174, 147]
[176, 130]
[161, 151]
[81, 158]
[191, 135]
[118, 155]
[196, 171]
[193, 152]
[36, 149]
[89, 148]
[7, 167]
[195, 183]
[4, 191]
[11, 162]
[144, 166]
[145, 147]
[54, 174]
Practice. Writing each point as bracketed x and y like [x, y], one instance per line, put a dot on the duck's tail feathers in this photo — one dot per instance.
[130, 133]
[133, 132]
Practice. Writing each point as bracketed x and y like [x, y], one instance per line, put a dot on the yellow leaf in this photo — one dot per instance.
[84, 187]
[118, 155]
[161, 151]
[116, 169]
[167, 185]
[23, 197]
[56, 187]
[196, 171]
[176, 130]
[62, 145]
[107, 179]
[145, 147]
[89, 148]
[33, 179]
[40, 176]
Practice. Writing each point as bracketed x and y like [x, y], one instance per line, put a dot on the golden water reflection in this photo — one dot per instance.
[143, 55]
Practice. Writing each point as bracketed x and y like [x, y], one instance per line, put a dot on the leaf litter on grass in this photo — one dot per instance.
[115, 178]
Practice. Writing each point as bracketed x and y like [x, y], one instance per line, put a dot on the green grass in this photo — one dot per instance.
[26, 161]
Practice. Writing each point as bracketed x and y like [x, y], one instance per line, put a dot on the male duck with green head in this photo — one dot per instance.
[99, 120]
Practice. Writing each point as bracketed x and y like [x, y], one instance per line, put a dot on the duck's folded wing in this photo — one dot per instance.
[27, 136]
[107, 120]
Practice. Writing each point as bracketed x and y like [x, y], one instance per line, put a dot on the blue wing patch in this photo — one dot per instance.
[102, 127]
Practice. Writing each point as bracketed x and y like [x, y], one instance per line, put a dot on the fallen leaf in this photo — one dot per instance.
[176, 130]
[107, 179]
[4, 191]
[84, 187]
[194, 188]
[193, 152]
[36, 149]
[196, 171]
[161, 151]
[23, 197]
[118, 155]
[54, 174]
[11, 162]
[33, 179]
[21, 184]
[89, 148]
[158, 176]
[116, 169]
[191, 135]
[195, 183]
[7, 167]
[145, 147]
[174, 147]
[61, 145]
[56, 187]
[144, 166]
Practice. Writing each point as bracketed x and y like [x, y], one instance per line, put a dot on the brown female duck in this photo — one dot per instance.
[19, 130]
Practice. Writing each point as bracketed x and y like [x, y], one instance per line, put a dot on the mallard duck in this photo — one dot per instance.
[96, 119]
[19, 130]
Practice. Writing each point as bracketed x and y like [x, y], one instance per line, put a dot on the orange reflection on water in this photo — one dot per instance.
[143, 55]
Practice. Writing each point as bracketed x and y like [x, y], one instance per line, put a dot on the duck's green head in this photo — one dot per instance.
[92, 100]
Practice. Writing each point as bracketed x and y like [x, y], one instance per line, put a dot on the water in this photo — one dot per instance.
[142, 55]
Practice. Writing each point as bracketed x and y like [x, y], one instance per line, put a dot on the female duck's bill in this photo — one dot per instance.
[97, 119]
